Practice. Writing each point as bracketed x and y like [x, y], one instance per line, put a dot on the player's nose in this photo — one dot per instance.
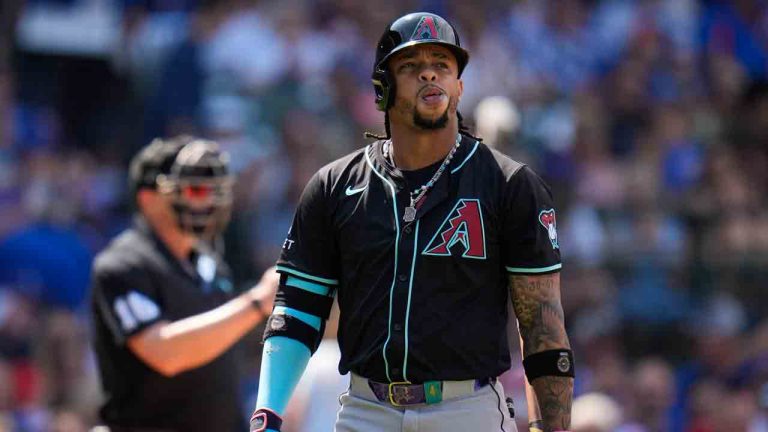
[427, 74]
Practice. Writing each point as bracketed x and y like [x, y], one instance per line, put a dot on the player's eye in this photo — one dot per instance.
[407, 66]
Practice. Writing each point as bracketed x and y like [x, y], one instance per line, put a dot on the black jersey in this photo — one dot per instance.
[136, 283]
[424, 300]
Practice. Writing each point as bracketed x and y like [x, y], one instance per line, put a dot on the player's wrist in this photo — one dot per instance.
[264, 420]
[538, 426]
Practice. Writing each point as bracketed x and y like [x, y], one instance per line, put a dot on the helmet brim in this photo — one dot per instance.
[462, 56]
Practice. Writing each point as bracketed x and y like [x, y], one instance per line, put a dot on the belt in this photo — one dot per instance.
[408, 394]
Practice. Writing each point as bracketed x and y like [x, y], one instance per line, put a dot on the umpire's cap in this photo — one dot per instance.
[409, 30]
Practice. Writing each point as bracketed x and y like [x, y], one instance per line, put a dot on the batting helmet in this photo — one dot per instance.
[409, 30]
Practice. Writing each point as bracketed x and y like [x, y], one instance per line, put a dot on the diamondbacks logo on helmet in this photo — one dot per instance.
[463, 225]
[426, 29]
[549, 222]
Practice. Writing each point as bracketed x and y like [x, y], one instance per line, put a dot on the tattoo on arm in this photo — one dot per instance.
[555, 395]
[536, 300]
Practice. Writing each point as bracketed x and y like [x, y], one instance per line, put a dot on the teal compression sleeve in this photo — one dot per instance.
[282, 365]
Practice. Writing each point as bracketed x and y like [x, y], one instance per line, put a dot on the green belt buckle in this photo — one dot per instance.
[433, 392]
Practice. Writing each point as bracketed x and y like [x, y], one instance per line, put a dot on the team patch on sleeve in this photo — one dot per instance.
[548, 221]
[134, 309]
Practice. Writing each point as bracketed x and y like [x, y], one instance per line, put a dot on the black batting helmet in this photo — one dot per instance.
[409, 30]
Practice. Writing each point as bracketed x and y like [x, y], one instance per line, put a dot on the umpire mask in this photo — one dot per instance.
[200, 189]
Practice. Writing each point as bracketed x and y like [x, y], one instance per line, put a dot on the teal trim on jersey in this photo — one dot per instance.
[307, 286]
[308, 319]
[477, 143]
[534, 269]
[307, 276]
[410, 289]
[451, 241]
[397, 246]
[282, 363]
[482, 227]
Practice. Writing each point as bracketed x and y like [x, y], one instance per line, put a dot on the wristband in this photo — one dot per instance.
[556, 362]
[536, 426]
[265, 418]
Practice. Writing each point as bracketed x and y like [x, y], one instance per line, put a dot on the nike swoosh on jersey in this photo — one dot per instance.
[351, 191]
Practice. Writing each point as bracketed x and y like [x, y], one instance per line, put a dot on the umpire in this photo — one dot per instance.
[424, 236]
[164, 310]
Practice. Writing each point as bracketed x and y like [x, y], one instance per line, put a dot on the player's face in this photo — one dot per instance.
[427, 86]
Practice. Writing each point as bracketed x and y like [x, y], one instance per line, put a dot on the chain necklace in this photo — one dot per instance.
[419, 193]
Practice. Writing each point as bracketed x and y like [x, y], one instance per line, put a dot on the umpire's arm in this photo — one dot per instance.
[536, 300]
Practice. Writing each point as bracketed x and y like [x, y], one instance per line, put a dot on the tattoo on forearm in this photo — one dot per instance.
[555, 396]
[536, 300]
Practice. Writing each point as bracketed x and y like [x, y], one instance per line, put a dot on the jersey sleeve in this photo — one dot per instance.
[529, 240]
[126, 300]
[310, 250]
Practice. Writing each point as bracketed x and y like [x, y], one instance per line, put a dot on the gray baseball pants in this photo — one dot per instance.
[484, 410]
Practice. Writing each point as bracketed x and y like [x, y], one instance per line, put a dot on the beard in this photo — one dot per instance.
[428, 124]
[407, 108]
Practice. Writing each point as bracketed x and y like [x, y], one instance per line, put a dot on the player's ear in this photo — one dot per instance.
[461, 87]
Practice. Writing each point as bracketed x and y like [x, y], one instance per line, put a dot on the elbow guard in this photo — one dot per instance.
[303, 308]
[294, 328]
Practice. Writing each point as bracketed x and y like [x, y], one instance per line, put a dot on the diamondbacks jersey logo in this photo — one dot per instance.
[549, 222]
[463, 225]
[426, 29]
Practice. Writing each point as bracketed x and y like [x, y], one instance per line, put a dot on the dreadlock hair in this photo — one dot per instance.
[463, 129]
[387, 135]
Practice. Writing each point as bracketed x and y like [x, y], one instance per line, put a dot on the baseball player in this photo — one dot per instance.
[423, 237]
[164, 310]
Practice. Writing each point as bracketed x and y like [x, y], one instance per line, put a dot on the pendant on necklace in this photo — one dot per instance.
[410, 214]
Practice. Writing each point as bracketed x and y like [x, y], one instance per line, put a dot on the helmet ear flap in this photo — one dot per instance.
[384, 87]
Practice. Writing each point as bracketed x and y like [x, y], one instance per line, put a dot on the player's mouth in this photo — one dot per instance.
[432, 95]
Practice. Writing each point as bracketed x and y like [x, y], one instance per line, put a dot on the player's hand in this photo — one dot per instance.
[264, 419]
[265, 290]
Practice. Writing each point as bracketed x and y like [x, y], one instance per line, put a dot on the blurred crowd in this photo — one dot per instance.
[648, 118]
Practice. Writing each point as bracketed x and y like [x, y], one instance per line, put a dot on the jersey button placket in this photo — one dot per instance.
[402, 277]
